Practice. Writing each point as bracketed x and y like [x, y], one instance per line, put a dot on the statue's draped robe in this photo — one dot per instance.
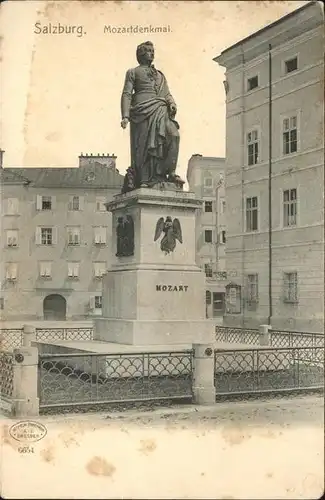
[154, 135]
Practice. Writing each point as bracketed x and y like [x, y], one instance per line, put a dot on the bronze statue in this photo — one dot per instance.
[125, 236]
[173, 232]
[148, 105]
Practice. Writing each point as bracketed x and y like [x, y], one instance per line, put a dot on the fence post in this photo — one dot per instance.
[29, 335]
[203, 381]
[25, 373]
[265, 336]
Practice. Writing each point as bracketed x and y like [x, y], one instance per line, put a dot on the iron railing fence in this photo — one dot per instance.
[281, 338]
[264, 370]
[237, 335]
[11, 338]
[92, 378]
[278, 338]
[6, 375]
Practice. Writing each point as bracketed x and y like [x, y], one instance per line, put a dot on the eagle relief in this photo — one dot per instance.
[172, 231]
[125, 236]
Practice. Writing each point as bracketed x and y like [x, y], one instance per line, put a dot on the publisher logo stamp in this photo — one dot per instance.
[28, 431]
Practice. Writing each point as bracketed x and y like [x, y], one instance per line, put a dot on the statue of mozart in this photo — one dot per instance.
[148, 105]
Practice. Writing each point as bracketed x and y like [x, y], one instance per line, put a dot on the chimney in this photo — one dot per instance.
[106, 160]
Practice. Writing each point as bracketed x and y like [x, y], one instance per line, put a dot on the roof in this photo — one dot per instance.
[87, 176]
[7, 176]
[275, 23]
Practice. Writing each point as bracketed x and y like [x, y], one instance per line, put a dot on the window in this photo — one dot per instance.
[98, 302]
[46, 235]
[208, 270]
[2, 303]
[99, 269]
[208, 181]
[11, 271]
[73, 269]
[73, 235]
[45, 269]
[223, 206]
[223, 237]
[290, 287]
[76, 203]
[12, 238]
[290, 135]
[252, 83]
[289, 207]
[252, 147]
[218, 304]
[208, 206]
[291, 65]
[100, 235]
[12, 206]
[252, 287]
[100, 204]
[208, 297]
[251, 214]
[208, 236]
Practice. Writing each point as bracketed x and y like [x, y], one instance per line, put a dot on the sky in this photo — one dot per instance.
[60, 94]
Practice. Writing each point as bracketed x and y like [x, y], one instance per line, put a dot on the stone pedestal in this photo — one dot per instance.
[152, 297]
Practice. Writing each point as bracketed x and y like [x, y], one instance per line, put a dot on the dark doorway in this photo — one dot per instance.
[218, 304]
[54, 307]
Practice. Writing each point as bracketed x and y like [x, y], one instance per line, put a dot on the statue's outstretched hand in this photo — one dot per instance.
[124, 122]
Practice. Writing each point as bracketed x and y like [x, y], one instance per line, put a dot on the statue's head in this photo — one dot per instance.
[145, 53]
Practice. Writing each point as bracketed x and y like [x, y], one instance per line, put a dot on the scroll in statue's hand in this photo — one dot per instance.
[124, 122]
[172, 110]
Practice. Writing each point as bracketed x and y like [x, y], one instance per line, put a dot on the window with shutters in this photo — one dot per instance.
[73, 235]
[290, 135]
[290, 207]
[100, 204]
[99, 269]
[12, 238]
[251, 214]
[100, 235]
[12, 206]
[45, 269]
[11, 271]
[73, 269]
[47, 236]
[45, 202]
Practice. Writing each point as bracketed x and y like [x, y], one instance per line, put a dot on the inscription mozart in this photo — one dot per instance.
[171, 288]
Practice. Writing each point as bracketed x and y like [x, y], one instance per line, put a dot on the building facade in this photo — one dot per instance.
[205, 176]
[274, 84]
[55, 237]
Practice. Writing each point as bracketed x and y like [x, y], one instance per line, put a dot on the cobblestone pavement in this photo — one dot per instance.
[247, 449]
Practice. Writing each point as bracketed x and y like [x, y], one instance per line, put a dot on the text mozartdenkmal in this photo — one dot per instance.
[59, 29]
[136, 28]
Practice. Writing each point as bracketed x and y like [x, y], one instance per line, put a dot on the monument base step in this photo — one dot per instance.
[144, 332]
